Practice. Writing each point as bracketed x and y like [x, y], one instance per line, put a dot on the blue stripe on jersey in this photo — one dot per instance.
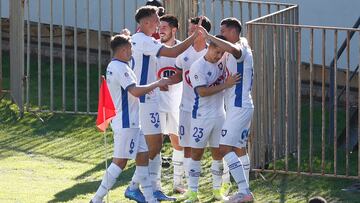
[125, 108]
[144, 74]
[196, 105]
[239, 86]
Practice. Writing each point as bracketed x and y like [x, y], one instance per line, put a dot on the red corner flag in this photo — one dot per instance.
[106, 108]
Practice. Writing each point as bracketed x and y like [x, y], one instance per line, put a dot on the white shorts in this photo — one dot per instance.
[169, 122]
[236, 129]
[206, 131]
[150, 118]
[128, 142]
[184, 128]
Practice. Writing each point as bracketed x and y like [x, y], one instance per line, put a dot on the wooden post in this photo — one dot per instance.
[17, 52]
[183, 10]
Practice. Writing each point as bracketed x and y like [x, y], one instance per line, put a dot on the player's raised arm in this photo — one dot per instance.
[223, 44]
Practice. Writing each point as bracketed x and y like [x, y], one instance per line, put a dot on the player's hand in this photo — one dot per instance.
[233, 79]
[197, 31]
[163, 84]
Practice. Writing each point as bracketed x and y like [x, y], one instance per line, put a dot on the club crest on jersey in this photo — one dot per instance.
[221, 65]
[166, 72]
[196, 77]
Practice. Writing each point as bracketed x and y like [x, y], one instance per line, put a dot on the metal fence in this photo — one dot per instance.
[278, 125]
[65, 76]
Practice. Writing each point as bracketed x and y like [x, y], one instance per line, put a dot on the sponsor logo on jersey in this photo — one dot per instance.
[166, 72]
[187, 78]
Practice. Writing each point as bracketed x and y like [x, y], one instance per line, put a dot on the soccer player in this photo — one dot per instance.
[129, 141]
[207, 76]
[169, 101]
[239, 109]
[145, 52]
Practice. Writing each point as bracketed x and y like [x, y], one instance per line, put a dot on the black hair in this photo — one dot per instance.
[205, 22]
[158, 4]
[232, 23]
[171, 19]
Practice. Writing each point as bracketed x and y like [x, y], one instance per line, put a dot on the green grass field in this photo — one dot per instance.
[62, 159]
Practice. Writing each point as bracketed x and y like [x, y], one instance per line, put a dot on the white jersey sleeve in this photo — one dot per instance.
[126, 77]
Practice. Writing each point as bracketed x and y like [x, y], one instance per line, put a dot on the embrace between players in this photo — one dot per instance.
[205, 101]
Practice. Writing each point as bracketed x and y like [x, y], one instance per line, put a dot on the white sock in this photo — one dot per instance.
[245, 160]
[186, 169]
[145, 182]
[134, 183]
[194, 175]
[226, 173]
[109, 179]
[178, 163]
[154, 168]
[237, 171]
[217, 172]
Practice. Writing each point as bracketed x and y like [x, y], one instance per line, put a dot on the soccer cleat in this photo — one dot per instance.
[135, 195]
[160, 196]
[225, 189]
[218, 195]
[240, 197]
[179, 189]
[192, 197]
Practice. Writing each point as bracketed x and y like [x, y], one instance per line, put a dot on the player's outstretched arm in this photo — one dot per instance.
[177, 49]
[223, 44]
[139, 90]
[208, 91]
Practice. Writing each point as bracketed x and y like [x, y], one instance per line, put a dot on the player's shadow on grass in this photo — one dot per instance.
[91, 187]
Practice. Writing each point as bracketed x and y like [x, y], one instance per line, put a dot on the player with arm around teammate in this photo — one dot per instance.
[239, 107]
[129, 141]
[207, 77]
[145, 52]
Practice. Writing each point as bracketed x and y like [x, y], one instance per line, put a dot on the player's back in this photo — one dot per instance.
[145, 50]
[184, 62]
[240, 94]
[119, 77]
[204, 73]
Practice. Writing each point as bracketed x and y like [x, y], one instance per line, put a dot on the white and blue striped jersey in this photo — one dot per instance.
[119, 77]
[240, 94]
[169, 101]
[145, 51]
[184, 62]
[204, 73]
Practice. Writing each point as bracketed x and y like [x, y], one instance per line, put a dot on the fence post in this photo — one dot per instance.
[189, 8]
[17, 52]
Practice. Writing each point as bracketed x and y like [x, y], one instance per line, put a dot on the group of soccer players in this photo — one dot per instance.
[211, 108]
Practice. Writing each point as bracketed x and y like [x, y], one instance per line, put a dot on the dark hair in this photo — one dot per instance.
[145, 11]
[158, 4]
[119, 41]
[232, 23]
[317, 200]
[205, 22]
[171, 19]
[217, 36]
